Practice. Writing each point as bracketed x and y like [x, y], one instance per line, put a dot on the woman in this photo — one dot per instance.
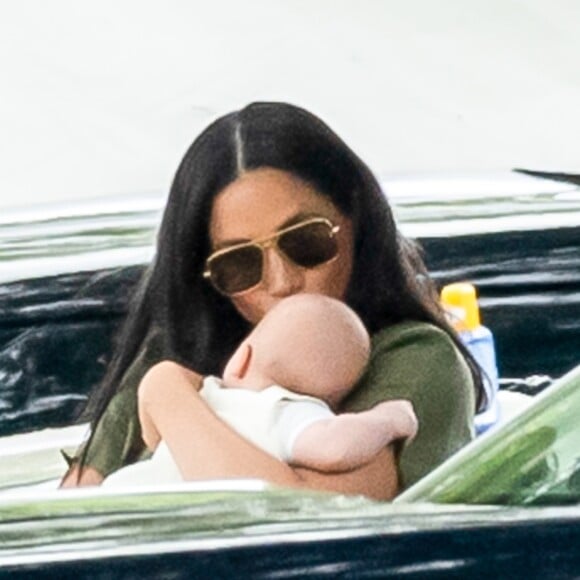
[265, 174]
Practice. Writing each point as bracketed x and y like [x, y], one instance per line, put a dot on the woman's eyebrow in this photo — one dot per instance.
[295, 219]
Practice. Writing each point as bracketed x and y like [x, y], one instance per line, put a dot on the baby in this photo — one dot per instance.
[317, 348]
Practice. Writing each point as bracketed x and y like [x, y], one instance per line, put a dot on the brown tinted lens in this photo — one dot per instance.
[310, 245]
[237, 270]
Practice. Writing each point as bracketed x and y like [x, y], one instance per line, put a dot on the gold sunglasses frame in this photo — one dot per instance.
[268, 242]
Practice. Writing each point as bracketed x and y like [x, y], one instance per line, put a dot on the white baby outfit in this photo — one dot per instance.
[271, 418]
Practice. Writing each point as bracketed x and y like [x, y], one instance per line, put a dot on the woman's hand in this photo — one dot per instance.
[87, 477]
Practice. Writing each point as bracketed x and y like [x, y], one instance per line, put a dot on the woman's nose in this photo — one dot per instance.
[281, 277]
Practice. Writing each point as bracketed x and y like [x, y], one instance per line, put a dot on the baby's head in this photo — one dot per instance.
[308, 343]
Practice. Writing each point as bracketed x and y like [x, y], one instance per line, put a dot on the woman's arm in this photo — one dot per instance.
[377, 479]
[204, 447]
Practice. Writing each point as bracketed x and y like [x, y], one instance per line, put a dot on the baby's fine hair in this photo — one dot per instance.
[313, 344]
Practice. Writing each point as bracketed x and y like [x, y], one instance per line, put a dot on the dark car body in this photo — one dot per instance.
[66, 276]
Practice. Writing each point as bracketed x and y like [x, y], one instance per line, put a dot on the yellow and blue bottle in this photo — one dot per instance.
[460, 303]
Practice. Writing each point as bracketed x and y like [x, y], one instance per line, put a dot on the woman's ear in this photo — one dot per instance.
[240, 361]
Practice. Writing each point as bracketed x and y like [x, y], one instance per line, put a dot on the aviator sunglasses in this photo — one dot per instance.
[240, 268]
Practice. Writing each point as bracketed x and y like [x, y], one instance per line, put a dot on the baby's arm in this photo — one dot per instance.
[163, 389]
[350, 440]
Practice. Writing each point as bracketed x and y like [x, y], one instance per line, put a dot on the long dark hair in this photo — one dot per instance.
[199, 327]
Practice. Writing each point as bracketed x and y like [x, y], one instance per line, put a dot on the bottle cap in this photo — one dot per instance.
[460, 302]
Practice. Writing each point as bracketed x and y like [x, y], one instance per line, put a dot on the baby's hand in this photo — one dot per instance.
[401, 418]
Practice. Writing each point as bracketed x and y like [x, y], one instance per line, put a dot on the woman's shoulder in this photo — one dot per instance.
[408, 357]
[413, 348]
[412, 333]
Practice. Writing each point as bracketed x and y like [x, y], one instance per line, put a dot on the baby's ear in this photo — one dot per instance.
[240, 361]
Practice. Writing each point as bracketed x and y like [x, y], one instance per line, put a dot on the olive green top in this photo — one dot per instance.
[410, 360]
[419, 362]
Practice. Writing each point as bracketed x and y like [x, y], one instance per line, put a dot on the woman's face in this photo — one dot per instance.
[258, 204]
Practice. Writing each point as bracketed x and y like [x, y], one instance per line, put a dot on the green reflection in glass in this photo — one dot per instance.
[532, 460]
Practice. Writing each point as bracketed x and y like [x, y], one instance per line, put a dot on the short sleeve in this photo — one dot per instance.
[293, 417]
[419, 362]
[117, 438]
